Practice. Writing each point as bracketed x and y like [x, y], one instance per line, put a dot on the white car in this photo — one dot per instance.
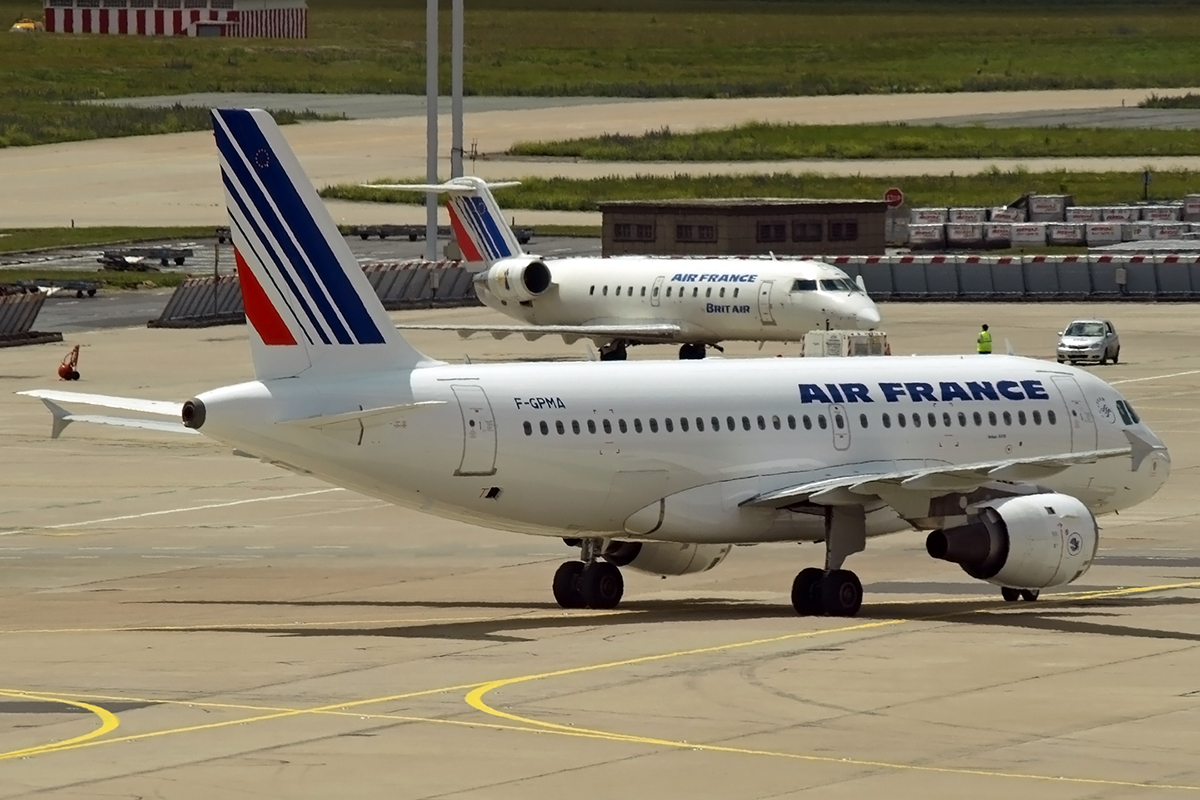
[1089, 340]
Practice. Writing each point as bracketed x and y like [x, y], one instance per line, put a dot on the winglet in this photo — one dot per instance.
[1139, 449]
[61, 418]
[1009, 349]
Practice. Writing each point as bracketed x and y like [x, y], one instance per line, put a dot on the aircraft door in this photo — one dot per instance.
[1079, 414]
[839, 423]
[479, 431]
[764, 303]
[656, 291]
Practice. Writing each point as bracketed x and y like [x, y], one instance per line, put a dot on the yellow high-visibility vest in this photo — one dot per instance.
[985, 341]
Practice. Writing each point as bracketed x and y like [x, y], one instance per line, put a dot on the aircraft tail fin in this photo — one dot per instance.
[475, 216]
[311, 309]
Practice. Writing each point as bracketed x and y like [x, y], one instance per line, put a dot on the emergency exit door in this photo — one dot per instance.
[764, 303]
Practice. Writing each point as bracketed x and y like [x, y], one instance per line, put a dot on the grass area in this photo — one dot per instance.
[20, 240]
[760, 141]
[1189, 100]
[626, 48]
[109, 279]
[993, 187]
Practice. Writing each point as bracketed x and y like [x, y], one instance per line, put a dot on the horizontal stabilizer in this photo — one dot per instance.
[449, 187]
[366, 417]
[165, 408]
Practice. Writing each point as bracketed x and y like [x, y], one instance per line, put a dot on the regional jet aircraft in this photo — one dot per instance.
[658, 466]
[631, 300]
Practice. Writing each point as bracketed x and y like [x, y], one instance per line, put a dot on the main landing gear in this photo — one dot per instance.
[1011, 595]
[590, 583]
[834, 591]
[616, 350]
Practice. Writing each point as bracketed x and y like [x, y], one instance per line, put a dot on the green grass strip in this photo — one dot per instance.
[20, 240]
[108, 279]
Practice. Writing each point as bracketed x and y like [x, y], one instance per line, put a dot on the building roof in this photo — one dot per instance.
[742, 204]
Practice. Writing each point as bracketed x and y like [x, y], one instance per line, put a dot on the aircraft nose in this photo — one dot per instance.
[867, 317]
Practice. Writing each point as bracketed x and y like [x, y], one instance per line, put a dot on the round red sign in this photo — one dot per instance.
[893, 197]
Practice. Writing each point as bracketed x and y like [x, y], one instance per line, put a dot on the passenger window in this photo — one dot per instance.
[605, 291]
[762, 423]
[644, 292]
[545, 429]
[722, 291]
[607, 426]
[791, 419]
[653, 425]
[683, 424]
[696, 291]
[631, 291]
[735, 291]
[821, 423]
[992, 418]
[575, 427]
[1007, 418]
[668, 291]
[962, 420]
[745, 423]
[978, 419]
[777, 423]
[932, 420]
[592, 290]
[1053, 420]
[731, 424]
[902, 420]
[700, 424]
[558, 426]
[637, 426]
[669, 425]
[807, 423]
[1037, 418]
[708, 292]
[1021, 417]
[887, 421]
[617, 292]
[591, 423]
[916, 420]
[946, 419]
[716, 424]
[528, 429]
[839, 421]
[862, 420]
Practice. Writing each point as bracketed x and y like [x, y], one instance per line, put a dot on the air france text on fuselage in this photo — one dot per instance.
[725, 277]
[918, 391]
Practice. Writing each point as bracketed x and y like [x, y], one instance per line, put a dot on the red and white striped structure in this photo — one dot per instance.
[274, 19]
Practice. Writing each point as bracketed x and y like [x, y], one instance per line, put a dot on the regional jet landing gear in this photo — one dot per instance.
[834, 591]
[590, 583]
[697, 350]
[1013, 595]
[615, 350]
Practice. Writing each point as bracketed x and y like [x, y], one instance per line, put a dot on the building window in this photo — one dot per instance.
[685, 233]
[706, 233]
[843, 230]
[195, 3]
[141, 3]
[772, 232]
[119, 4]
[169, 4]
[62, 3]
[222, 4]
[87, 4]
[806, 231]
[644, 232]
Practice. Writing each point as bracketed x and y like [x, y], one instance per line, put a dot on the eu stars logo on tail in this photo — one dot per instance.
[310, 307]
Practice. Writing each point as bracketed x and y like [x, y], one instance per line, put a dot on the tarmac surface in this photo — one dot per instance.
[183, 623]
[173, 179]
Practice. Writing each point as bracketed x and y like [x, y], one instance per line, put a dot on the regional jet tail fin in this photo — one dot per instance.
[311, 309]
[475, 216]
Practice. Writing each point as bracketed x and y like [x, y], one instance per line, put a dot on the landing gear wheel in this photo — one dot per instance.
[1010, 595]
[601, 585]
[692, 352]
[841, 593]
[614, 352]
[1029, 595]
[566, 585]
[804, 592]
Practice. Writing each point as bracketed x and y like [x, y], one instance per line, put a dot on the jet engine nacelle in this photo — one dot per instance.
[666, 558]
[1029, 542]
[518, 279]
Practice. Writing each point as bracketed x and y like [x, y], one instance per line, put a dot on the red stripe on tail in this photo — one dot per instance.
[259, 310]
[469, 250]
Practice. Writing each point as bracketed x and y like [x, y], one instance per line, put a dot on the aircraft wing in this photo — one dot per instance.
[909, 491]
[650, 332]
[159, 408]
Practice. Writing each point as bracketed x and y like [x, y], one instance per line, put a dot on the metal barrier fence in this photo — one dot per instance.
[17, 314]
[201, 302]
[1068, 277]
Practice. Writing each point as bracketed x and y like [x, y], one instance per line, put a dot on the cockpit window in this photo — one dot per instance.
[1085, 329]
[837, 285]
[1128, 415]
[804, 286]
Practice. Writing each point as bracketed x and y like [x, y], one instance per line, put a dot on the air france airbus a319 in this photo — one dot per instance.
[629, 300]
[658, 466]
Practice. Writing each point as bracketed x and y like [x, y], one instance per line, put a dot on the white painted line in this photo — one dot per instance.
[170, 511]
[1157, 377]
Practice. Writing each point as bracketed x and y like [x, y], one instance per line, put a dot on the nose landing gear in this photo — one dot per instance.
[590, 583]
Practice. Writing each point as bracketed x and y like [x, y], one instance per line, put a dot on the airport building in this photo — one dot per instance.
[744, 227]
[268, 19]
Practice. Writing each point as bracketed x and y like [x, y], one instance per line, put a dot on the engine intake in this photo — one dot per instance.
[666, 558]
[1029, 542]
[516, 279]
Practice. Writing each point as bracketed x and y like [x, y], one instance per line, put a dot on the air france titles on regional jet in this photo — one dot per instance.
[539, 402]
[916, 391]
[725, 277]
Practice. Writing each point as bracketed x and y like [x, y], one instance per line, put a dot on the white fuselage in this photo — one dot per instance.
[713, 300]
[562, 449]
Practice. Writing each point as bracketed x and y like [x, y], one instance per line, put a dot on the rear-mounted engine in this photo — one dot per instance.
[515, 279]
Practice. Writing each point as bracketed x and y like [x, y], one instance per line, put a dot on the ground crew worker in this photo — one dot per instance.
[985, 342]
